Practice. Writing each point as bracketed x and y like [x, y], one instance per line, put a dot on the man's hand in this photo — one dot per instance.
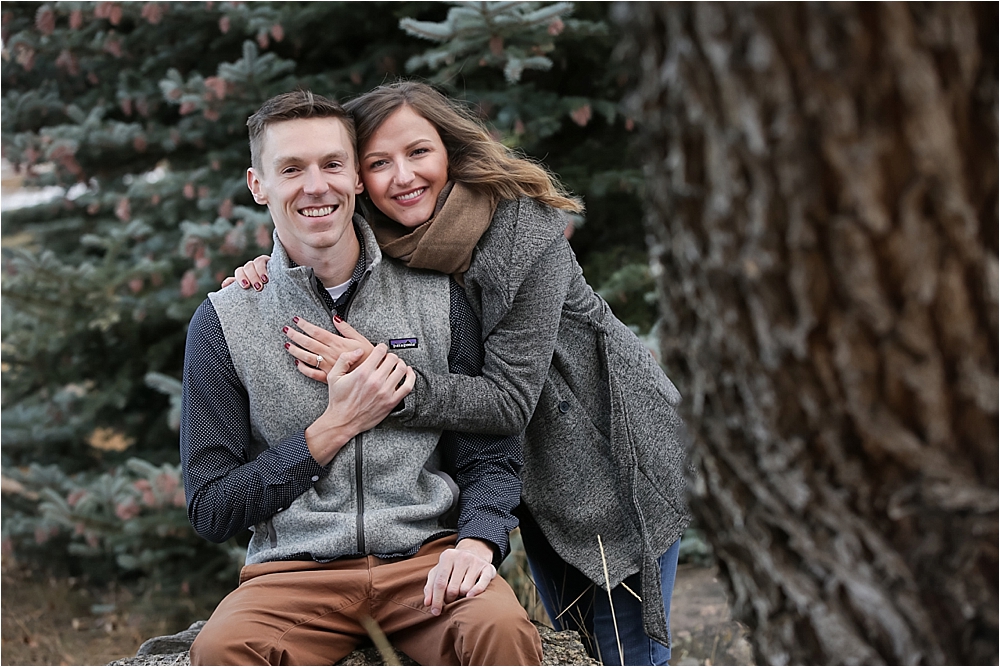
[464, 571]
[359, 399]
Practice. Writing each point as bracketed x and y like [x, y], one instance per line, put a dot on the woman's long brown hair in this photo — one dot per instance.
[474, 157]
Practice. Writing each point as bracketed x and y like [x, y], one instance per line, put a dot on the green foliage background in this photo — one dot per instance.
[138, 110]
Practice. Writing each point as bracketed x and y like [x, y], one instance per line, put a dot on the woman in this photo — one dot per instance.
[603, 481]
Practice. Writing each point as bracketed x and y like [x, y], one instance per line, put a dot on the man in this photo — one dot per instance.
[350, 513]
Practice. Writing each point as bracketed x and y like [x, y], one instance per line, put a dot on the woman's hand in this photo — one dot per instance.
[253, 273]
[316, 350]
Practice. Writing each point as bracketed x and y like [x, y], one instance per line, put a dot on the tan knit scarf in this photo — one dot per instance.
[446, 241]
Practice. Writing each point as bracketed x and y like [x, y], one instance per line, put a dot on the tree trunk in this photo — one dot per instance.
[822, 215]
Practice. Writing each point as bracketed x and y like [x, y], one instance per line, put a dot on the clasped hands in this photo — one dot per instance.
[361, 393]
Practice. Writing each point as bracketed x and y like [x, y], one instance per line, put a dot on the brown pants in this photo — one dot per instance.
[308, 613]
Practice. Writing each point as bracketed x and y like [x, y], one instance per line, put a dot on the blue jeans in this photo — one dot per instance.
[574, 602]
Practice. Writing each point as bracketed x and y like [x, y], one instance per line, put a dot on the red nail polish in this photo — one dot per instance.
[245, 283]
[336, 318]
[263, 279]
[295, 319]
[284, 329]
[258, 286]
[287, 345]
[296, 362]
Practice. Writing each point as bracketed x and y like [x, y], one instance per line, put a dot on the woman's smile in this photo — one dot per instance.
[409, 197]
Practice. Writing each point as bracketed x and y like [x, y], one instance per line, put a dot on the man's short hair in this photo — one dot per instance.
[292, 106]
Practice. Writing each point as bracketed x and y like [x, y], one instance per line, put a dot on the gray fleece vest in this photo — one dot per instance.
[382, 494]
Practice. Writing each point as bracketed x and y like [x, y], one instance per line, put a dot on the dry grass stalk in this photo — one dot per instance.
[380, 640]
[570, 605]
[614, 619]
[634, 594]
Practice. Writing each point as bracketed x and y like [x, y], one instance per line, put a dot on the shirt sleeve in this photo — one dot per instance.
[487, 468]
[518, 354]
[229, 489]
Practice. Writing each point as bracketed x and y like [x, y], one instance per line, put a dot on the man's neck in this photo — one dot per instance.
[333, 265]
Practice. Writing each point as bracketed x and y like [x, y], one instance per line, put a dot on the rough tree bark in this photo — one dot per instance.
[822, 216]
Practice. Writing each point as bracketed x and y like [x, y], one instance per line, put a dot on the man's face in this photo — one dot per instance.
[308, 179]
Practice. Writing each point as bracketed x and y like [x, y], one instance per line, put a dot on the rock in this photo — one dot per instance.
[177, 643]
[183, 658]
[558, 648]
[563, 648]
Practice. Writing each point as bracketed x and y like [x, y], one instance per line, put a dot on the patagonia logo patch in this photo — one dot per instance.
[402, 343]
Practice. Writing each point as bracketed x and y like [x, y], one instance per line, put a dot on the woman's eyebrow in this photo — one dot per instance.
[385, 153]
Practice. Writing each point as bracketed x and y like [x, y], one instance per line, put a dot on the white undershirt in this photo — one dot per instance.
[338, 291]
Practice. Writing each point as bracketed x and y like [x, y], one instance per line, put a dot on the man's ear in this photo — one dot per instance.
[255, 186]
[359, 187]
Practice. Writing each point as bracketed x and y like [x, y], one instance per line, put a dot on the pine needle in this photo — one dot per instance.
[607, 584]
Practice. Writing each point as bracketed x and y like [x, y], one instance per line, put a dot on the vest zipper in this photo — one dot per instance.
[358, 468]
[359, 444]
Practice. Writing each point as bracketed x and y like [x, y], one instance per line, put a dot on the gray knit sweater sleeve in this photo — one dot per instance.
[518, 355]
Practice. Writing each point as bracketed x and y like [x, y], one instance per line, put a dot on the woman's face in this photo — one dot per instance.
[404, 167]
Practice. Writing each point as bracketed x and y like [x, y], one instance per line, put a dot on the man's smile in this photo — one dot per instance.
[318, 211]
